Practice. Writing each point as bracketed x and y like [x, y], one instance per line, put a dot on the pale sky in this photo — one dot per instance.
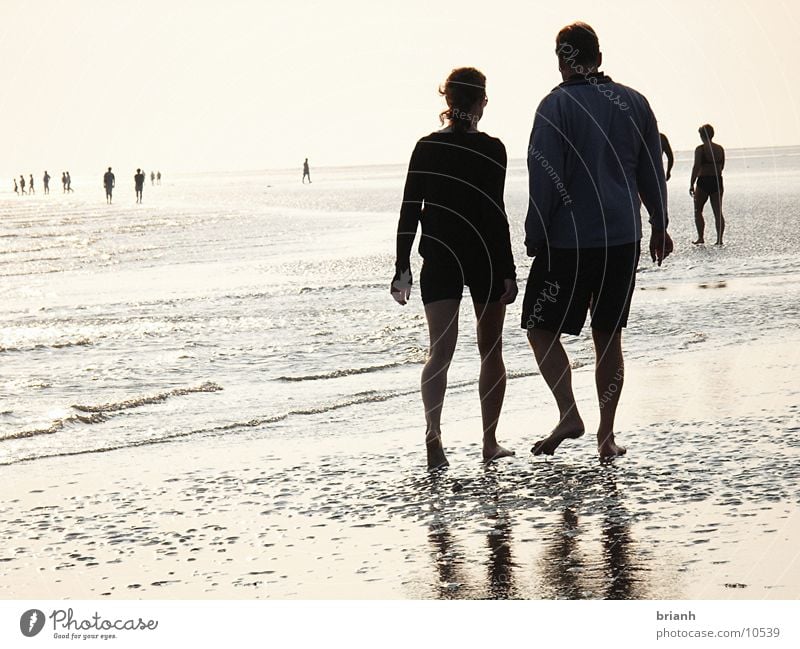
[207, 85]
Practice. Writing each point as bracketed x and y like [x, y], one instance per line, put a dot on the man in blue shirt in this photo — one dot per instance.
[594, 157]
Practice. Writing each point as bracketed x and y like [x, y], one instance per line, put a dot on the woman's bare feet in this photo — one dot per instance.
[698, 242]
[608, 448]
[493, 451]
[570, 427]
[433, 445]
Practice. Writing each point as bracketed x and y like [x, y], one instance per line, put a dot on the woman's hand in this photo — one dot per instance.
[401, 286]
[510, 293]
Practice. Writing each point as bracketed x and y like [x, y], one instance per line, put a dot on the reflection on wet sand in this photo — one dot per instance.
[576, 561]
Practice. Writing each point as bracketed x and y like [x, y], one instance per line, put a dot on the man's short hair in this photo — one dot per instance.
[706, 131]
[577, 44]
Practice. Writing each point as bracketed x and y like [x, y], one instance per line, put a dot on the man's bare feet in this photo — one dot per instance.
[433, 445]
[698, 242]
[570, 427]
[494, 451]
[608, 448]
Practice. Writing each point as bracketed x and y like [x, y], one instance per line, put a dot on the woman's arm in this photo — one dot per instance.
[410, 212]
[505, 254]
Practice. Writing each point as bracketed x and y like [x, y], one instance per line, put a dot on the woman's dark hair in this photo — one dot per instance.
[464, 88]
[706, 132]
[577, 43]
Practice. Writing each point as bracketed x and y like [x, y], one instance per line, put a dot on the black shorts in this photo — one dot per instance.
[439, 281]
[710, 184]
[566, 283]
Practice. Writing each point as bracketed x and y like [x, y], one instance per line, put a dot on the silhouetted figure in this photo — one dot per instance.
[22, 184]
[586, 245]
[64, 181]
[709, 160]
[69, 183]
[666, 149]
[46, 182]
[109, 183]
[459, 170]
[16, 187]
[138, 181]
[152, 177]
[158, 178]
[306, 172]
[31, 190]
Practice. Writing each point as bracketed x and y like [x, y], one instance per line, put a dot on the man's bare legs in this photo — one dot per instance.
[719, 220]
[609, 377]
[442, 317]
[555, 368]
[492, 382]
[700, 198]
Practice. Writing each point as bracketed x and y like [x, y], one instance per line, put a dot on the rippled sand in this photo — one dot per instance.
[704, 506]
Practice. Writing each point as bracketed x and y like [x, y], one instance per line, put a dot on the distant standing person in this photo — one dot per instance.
[138, 181]
[69, 182]
[152, 177]
[64, 181]
[306, 172]
[22, 184]
[666, 149]
[158, 178]
[709, 160]
[108, 183]
[46, 182]
[30, 184]
[16, 187]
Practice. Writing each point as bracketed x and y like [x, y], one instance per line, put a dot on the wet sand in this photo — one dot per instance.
[704, 505]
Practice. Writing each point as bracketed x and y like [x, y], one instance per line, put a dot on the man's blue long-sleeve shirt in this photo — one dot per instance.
[594, 157]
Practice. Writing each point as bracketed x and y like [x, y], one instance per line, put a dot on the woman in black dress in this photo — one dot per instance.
[455, 188]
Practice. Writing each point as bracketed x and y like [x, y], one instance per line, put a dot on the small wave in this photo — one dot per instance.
[57, 425]
[81, 342]
[144, 401]
[346, 372]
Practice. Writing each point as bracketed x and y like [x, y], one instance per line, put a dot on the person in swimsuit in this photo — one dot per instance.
[46, 181]
[22, 184]
[31, 190]
[108, 183]
[16, 187]
[454, 187]
[64, 181]
[69, 183]
[709, 160]
[152, 177]
[306, 172]
[138, 184]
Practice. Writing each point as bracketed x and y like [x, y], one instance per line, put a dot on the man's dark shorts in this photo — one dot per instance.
[446, 282]
[566, 283]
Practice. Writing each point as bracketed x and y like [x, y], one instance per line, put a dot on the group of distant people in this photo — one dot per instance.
[109, 182]
[20, 188]
[706, 181]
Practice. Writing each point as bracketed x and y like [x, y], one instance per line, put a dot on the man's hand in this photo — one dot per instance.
[660, 246]
[510, 293]
[691, 190]
[669, 173]
[401, 286]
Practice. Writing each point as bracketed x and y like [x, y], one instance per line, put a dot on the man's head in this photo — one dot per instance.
[706, 132]
[138, 171]
[578, 50]
[109, 168]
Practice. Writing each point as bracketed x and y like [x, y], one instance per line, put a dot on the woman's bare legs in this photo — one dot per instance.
[700, 198]
[492, 383]
[442, 317]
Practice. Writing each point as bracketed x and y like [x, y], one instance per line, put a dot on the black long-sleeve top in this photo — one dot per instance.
[455, 187]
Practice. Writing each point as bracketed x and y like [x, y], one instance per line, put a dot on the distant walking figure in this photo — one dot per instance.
[709, 160]
[64, 181]
[16, 187]
[22, 184]
[69, 182]
[158, 178]
[30, 184]
[666, 149]
[306, 172]
[152, 177]
[138, 181]
[454, 188]
[108, 183]
[46, 182]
